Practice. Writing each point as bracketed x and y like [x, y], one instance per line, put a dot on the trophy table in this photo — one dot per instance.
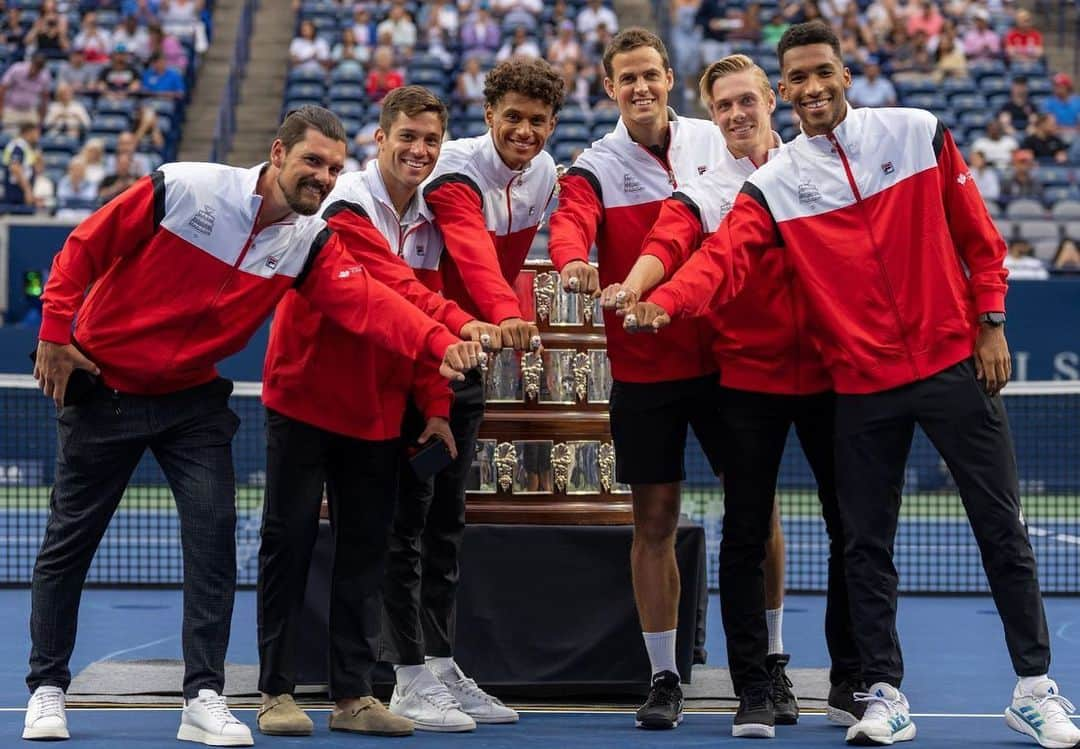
[544, 456]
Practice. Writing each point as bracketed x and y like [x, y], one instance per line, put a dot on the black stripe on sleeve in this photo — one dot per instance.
[939, 139]
[343, 205]
[689, 203]
[454, 177]
[751, 190]
[316, 247]
[157, 179]
[589, 177]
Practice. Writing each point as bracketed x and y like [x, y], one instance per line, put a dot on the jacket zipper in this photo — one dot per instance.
[877, 252]
[402, 236]
[664, 164]
[797, 348]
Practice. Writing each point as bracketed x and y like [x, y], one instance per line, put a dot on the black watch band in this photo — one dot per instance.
[993, 319]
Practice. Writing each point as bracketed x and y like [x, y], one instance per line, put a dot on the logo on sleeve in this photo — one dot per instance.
[203, 221]
[630, 184]
[962, 179]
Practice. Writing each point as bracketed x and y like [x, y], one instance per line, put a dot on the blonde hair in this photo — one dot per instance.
[730, 65]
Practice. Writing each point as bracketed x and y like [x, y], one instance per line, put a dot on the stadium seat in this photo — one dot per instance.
[1052, 195]
[1035, 230]
[1005, 227]
[1045, 248]
[1071, 230]
[309, 90]
[1066, 210]
[572, 114]
[1025, 208]
[110, 123]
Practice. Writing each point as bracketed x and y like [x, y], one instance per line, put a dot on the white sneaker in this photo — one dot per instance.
[474, 701]
[1043, 714]
[45, 718]
[207, 720]
[429, 705]
[886, 719]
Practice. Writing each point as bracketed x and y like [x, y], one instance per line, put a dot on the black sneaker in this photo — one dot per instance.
[843, 710]
[785, 706]
[663, 708]
[755, 718]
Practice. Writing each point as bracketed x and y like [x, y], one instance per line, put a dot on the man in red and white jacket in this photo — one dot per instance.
[772, 378]
[610, 197]
[903, 270]
[182, 268]
[334, 415]
[488, 195]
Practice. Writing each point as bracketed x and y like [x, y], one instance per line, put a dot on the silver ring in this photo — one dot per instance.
[631, 320]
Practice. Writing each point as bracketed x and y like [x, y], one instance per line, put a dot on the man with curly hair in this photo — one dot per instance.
[488, 195]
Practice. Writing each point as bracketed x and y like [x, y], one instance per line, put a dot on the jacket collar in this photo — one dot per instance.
[846, 133]
[745, 166]
[493, 164]
[638, 151]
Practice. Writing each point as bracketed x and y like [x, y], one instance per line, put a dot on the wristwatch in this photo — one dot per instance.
[993, 319]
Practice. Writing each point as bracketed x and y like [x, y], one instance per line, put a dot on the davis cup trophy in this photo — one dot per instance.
[545, 453]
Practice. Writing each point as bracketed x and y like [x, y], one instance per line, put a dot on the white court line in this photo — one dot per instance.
[110, 656]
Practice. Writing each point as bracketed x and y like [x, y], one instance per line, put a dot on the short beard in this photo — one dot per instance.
[295, 202]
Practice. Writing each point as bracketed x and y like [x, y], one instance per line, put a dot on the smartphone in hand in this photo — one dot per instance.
[430, 458]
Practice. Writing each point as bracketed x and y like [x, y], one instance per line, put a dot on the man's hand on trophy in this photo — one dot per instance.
[581, 277]
[519, 334]
[487, 335]
[619, 298]
[646, 317]
[460, 358]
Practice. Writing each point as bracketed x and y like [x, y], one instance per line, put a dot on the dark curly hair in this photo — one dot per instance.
[529, 77]
[805, 34]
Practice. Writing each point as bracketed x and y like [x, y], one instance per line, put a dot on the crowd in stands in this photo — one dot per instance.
[92, 96]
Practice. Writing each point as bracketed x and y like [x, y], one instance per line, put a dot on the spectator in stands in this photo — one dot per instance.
[710, 19]
[1067, 257]
[871, 89]
[120, 79]
[1074, 151]
[399, 25]
[383, 76]
[146, 11]
[594, 50]
[11, 31]
[184, 18]
[147, 128]
[76, 73]
[347, 53]
[564, 47]
[575, 85]
[1022, 183]
[981, 42]
[480, 34]
[881, 17]
[951, 62]
[363, 29]
[1022, 263]
[1019, 109]
[66, 115]
[470, 82]
[927, 19]
[134, 38]
[94, 41]
[746, 24]
[439, 14]
[49, 33]
[162, 81]
[366, 147]
[1024, 42]
[519, 45]
[122, 177]
[516, 13]
[912, 60]
[801, 11]
[75, 191]
[20, 162]
[307, 50]
[1044, 141]
[24, 92]
[93, 155]
[591, 16]
[1064, 104]
[985, 176]
[127, 142]
[774, 29]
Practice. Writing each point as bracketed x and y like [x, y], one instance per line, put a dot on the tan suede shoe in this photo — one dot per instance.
[282, 717]
[371, 717]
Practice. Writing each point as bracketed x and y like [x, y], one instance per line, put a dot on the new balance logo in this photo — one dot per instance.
[962, 179]
[630, 184]
[203, 221]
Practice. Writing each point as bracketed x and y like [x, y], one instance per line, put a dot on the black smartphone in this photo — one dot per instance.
[430, 458]
[81, 384]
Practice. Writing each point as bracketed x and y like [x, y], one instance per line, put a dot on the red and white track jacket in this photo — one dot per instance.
[488, 214]
[890, 239]
[179, 279]
[611, 197]
[319, 373]
[762, 342]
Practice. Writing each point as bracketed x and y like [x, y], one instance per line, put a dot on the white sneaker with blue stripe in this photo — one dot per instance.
[886, 720]
[1043, 714]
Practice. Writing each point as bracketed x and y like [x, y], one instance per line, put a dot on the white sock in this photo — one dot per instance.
[661, 649]
[774, 620]
[1027, 683]
[404, 675]
[438, 665]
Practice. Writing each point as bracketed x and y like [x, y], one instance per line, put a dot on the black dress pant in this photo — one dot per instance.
[971, 431]
[420, 590]
[755, 427]
[100, 442]
[360, 477]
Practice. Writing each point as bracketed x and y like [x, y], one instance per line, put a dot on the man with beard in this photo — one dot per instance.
[334, 410]
[488, 195]
[880, 221]
[203, 252]
[611, 197]
[771, 378]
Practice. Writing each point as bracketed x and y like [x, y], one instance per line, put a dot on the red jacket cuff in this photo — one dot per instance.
[457, 319]
[55, 329]
[989, 301]
[440, 341]
[667, 300]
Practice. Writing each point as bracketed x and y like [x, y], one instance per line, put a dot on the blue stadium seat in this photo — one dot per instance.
[59, 143]
[426, 77]
[1025, 208]
[347, 74]
[573, 132]
[1032, 69]
[473, 129]
[564, 151]
[965, 101]
[572, 114]
[342, 90]
[111, 123]
[305, 75]
[314, 91]
[1052, 195]
[930, 101]
[959, 86]
[349, 108]
[125, 107]
[1054, 175]
[992, 84]
[1066, 210]
[976, 119]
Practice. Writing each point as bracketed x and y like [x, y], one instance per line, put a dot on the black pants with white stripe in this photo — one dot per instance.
[971, 431]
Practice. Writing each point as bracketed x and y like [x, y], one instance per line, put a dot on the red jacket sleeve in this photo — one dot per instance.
[676, 233]
[459, 212]
[716, 273]
[345, 292]
[432, 392]
[120, 227]
[973, 232]
[576, 219]
[369, 247]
